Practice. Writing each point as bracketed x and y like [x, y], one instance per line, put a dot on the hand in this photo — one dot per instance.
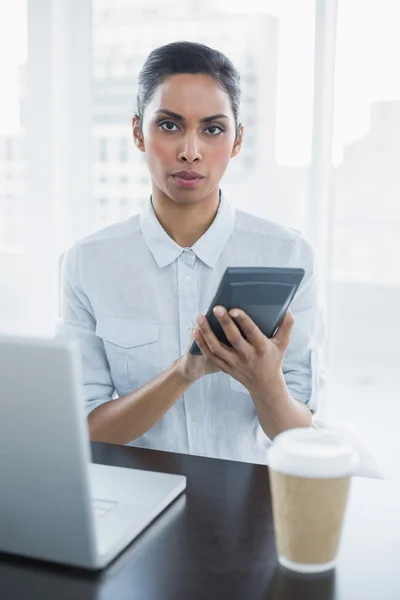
[194, 366]
[254, 360]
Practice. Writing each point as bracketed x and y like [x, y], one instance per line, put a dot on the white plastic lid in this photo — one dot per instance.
[307, 452]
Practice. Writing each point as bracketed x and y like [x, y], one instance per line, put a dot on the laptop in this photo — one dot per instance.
[55, 505]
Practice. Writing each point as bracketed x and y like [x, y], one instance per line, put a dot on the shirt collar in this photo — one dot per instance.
[208, 248]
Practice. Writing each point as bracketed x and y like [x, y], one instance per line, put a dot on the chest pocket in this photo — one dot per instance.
[132, 349]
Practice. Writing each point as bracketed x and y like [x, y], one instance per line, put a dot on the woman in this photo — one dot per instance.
[131, 292]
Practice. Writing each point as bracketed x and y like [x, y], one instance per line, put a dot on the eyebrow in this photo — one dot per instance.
[174, 115]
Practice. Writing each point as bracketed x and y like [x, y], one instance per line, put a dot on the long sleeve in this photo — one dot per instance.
[302, 367]
[78, 322]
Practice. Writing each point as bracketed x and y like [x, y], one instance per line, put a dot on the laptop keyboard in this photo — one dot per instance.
[102, 507]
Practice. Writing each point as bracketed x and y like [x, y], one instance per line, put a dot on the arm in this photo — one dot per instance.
[277, 410]
[129, 417]
[256, 362]
[123, 419]
[292, 397]
[302, 367]
[282, 378]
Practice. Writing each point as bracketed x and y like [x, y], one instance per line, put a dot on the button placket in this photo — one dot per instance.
[188, 308]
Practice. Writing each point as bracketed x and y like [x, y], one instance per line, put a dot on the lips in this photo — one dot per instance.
[188, 175]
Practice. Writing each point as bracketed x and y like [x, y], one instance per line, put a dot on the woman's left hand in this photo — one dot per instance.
[254, 360]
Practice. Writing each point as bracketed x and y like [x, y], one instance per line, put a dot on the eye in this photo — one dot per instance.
[214, 130]
[168, 126]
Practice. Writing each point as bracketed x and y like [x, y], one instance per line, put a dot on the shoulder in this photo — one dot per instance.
[111, 234]
[268, 231]
[100, 243]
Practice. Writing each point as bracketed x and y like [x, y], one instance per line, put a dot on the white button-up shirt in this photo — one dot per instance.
[130, 295]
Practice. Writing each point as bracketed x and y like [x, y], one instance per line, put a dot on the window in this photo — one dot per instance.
[103, 149]
[13, 55]
[123, 149]
[45, 154]
[365, 289]
[124, 208]
[9, 142]
[272, 44]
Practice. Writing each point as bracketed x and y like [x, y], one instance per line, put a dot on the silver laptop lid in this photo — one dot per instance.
[45, 509]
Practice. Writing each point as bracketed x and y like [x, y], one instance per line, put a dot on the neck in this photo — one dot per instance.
[185, 223]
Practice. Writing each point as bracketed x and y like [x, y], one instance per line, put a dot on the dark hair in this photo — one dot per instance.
[187, 57]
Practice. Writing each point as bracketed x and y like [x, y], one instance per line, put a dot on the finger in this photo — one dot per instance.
[282, 336]
[206, 352]
[213, 343]
[251, 332]
[231, 330]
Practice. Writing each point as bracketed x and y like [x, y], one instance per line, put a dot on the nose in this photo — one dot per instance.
[190, 150]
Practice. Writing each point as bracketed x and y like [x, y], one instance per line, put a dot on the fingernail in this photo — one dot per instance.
[200, 319]
[219, 311]
[234, 314]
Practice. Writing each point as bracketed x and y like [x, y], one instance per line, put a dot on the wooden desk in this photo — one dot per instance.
[216, 542]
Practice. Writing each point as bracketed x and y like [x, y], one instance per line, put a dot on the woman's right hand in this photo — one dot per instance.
[194, 366]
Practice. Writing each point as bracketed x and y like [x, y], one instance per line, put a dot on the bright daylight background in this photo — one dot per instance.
[272, 44]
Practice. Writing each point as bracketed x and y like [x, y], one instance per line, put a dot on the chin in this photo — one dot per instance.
[186, 196]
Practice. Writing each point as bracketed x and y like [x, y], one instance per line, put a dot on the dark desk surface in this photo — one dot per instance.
[216, 542]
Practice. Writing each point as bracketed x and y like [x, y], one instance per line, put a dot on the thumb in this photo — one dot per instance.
[282, 336]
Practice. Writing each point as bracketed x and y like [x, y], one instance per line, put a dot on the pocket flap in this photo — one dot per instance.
[127, 333]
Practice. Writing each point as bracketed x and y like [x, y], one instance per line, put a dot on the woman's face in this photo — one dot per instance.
[188, 135]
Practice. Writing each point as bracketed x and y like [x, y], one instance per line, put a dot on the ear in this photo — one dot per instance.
[238, 142]
[137, 134]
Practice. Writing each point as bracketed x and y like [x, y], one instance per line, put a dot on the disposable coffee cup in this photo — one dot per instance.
[310, 472]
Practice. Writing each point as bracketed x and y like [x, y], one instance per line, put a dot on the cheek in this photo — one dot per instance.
[219, 154]
[158, 150]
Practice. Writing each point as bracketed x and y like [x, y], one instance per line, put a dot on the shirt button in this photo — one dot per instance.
[189, 325]
[195, 421]
[188, 280]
